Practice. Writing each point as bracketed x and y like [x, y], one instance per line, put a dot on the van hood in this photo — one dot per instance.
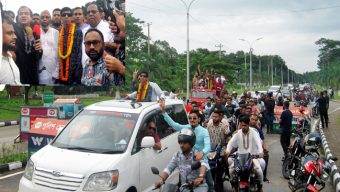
[75, 162]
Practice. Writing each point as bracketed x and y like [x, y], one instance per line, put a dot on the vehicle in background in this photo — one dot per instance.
[274, 89]
[107, 146]
[201, 95]
[287, 93]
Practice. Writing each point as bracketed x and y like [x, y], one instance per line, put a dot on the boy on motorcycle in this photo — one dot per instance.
[247, 140]
[183, 160]
[202, 137]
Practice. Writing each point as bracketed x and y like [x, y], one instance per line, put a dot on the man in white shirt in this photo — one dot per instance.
[9, 72]
[48, 65]
[247, 140]
[95, 21]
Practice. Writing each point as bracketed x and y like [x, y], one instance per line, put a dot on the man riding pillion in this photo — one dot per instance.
[247, 140]
[202, 136]
[183, 160]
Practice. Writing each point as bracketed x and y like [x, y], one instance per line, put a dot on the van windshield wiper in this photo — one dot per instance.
[111, 152]
[80, 149]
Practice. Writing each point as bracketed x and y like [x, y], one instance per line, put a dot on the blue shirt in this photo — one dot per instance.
[202, 134]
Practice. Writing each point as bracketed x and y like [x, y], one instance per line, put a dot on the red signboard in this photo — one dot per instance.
[41, 111]
[47, 126]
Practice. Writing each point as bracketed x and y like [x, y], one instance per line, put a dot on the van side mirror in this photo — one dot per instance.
[148, 142]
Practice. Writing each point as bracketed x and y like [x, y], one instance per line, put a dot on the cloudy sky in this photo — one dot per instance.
[289, 28]
[38, 6]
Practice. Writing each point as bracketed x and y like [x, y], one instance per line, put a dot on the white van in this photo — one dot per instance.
[103, 149]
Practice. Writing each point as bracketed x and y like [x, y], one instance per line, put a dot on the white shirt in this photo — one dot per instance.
[50, 58]
[103, 27]
[9, 72]
[254, 145]
[156, 92]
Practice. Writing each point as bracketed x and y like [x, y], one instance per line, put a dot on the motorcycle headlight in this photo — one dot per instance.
[212, 155]
[103, 181]
[29, 170]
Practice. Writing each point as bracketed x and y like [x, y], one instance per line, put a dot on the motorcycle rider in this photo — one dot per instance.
[255, 123]
[183, 159]
[202, 136]
[247, 140]
[218, 128]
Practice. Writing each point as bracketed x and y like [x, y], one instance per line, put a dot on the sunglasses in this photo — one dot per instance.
[66, 14]
[193, 118]
[94, 43]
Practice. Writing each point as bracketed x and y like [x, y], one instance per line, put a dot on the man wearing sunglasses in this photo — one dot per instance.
[146, 91]
[70, 67]
[202, 144]
[95, 72]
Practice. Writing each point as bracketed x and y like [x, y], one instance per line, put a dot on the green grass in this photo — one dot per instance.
[89, 101]
[12, 152]
[10, 108]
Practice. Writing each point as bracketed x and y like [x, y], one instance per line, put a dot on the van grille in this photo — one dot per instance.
[57, 180]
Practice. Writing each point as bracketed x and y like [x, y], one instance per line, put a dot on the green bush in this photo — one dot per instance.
[13, 152]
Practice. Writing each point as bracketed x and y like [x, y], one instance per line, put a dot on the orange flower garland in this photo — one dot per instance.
[141, 93]
[70, 39]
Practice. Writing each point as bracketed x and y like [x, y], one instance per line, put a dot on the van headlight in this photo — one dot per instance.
[29, 170]
[103, 181]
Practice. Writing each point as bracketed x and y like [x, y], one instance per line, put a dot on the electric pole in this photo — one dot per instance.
[149, 38]
[220, 46]
[271, 62]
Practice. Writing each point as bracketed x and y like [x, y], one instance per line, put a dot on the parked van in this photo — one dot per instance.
[103, 148]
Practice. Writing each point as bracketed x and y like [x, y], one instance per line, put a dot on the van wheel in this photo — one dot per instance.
[131, 189]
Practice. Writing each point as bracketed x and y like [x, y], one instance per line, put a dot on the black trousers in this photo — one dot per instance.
[285, 142]
[324, 118]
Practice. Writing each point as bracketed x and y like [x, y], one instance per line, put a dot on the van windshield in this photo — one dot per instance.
[98, 132]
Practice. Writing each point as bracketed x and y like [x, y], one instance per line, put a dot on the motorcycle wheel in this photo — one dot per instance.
[285, 169]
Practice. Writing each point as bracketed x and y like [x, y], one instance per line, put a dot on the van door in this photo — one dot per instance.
[169, 136]
[148, 157]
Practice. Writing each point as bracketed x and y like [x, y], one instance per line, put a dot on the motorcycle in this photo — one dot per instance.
[312, 175]
[244, 178]
[218, 168]
[315, 111]
[295, 153]
[187, 186]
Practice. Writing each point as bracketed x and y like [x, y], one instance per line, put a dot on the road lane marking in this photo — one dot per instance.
[335, 110]
[11, 175]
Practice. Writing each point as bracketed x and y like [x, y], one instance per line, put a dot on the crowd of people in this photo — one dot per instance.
[78, 46]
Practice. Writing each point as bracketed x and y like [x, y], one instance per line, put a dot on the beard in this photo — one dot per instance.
[95, 55]
[56, 23]
[7, 47]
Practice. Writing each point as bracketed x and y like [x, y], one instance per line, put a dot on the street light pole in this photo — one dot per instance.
[188, 50]
[250, 60]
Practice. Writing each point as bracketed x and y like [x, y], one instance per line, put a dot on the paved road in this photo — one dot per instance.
[8, 133]
[277, 182]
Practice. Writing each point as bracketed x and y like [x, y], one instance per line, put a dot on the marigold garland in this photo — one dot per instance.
[143, 89]
[70, 39]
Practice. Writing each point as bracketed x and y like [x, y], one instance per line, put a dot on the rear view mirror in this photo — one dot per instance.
[148, 142]
[155, 171]
[196, 165]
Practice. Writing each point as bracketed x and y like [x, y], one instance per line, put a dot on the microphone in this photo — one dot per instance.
[36, 32]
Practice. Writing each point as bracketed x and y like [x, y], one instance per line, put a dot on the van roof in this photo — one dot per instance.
[127, 105]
